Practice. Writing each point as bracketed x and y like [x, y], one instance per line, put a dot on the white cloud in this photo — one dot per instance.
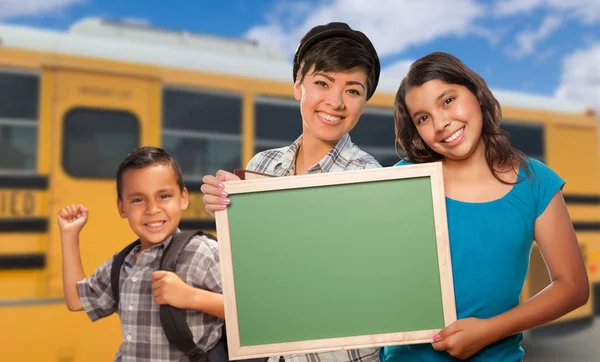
[396, 71]
[581, 76]
[587, 11]
[17, 8]
[493, 36]
[528, 39]
[274, 34]
[393, 26]
[511, 7]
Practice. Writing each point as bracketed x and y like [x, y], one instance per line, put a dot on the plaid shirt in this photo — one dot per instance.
[143, 336]
[345, 156]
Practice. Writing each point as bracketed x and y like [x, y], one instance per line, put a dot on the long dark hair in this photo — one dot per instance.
[444, 67]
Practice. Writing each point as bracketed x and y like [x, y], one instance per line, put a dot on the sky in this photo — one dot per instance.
[547, 47]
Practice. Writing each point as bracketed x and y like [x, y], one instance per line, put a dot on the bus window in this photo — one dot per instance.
[202, 129]
[278, 122]
[374, 133]
[526, 137]
[19, 95]
[95, 141]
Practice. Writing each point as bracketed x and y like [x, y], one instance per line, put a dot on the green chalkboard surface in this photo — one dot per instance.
[331, 261]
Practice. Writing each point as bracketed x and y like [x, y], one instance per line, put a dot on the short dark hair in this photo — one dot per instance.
[148, 156]
[338, 55]
[337, 47]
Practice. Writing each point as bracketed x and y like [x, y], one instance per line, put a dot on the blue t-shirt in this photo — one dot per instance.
[490, 245]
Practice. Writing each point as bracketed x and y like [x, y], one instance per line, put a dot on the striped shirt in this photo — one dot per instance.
[143, 336]
[345, 156]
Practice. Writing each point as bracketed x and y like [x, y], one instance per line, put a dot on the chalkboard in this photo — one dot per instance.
[343, 260]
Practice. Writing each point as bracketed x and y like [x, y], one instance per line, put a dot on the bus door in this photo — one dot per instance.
[97, 118]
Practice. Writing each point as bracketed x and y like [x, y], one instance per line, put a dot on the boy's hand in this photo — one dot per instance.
[72, 218]
[215, 197]
[465, 337]
[168, 288]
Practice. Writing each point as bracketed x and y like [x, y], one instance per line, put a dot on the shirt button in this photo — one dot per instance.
[130, 308]
[129, 337]
[134, 279]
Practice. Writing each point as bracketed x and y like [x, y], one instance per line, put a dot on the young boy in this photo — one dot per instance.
[151, 196]
[336, 70]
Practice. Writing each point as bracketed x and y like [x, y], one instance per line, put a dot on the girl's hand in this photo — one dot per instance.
[465, 337]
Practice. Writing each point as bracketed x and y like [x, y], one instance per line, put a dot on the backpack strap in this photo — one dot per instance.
[173, 319]
[115, 271]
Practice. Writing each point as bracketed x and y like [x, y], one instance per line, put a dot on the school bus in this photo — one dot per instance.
[73, 104]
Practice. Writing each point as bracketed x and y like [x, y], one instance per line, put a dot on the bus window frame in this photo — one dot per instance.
[514, 122]
[275, 101]
[195, 134]
[24, 122]
[65, 138]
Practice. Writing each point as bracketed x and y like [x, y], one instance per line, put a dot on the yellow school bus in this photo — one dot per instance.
[73, 104]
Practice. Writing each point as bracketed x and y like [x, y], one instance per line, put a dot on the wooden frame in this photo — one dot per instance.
[431, 170]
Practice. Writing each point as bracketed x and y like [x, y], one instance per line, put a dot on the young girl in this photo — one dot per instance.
[498, 201]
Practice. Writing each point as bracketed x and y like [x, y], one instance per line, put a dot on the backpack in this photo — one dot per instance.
[173, 319]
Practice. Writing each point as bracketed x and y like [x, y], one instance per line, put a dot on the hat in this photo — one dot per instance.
[333, 30]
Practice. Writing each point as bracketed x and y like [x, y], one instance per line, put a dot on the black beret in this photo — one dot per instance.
[333, 30]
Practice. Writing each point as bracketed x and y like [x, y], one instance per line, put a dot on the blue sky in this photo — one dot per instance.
[549, 47]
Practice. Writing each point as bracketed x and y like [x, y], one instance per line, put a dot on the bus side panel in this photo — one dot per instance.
[49, 332]
[573, 152]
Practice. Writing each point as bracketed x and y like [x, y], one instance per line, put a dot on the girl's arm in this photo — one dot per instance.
[568, 290]
[569, 287]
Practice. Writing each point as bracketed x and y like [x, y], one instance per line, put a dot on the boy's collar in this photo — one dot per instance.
[163, 244]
